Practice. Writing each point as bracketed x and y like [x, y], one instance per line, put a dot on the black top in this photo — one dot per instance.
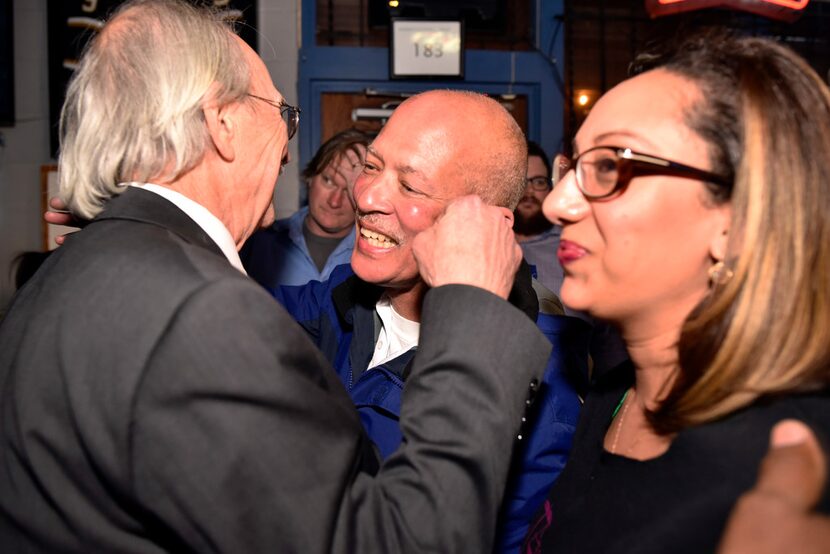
[677, 502]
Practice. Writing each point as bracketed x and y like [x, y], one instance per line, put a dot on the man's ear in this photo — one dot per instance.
[222, 124]
[508, 216]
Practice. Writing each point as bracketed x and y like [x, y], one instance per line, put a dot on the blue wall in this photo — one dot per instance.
[537, 74]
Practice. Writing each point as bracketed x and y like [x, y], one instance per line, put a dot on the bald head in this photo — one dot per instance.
[489, 148]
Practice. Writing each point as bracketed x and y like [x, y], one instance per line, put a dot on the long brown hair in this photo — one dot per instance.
[766, 116]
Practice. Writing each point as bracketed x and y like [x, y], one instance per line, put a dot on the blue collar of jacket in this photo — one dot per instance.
[355, 292]
[354, 301]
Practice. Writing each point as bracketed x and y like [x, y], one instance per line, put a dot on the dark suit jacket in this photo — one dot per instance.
[152, 399]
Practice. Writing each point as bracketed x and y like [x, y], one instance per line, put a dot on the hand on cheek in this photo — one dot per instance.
[470, 244]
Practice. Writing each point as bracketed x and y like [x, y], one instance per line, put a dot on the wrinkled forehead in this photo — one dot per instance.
[428, 151]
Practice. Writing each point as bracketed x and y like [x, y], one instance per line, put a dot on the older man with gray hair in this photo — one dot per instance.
[154, 399]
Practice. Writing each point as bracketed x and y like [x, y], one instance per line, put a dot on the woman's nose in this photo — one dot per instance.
[371, 193]
[566, 203]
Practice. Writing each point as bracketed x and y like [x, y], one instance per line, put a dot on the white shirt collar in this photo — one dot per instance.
[397, 334]
[209, 223]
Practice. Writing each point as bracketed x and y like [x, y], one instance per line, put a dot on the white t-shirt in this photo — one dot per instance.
[397, 334]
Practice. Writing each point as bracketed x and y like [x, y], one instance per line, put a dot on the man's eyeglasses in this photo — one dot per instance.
[289, 113]
[539, 184]
[603, 170]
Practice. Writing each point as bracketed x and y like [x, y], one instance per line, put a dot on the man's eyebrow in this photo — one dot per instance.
[403, 169]
[409, 170]
[375, 153]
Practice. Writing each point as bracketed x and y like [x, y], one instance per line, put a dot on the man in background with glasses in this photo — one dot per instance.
[153, 398]
[538, 237]
[529, 221]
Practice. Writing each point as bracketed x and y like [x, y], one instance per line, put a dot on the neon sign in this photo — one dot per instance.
[787, 10]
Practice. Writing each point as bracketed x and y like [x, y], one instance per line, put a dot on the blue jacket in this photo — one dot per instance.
[278, 255]
[340, 317]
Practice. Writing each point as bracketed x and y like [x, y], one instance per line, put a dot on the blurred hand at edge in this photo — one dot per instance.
[61, 217]
[776, 516]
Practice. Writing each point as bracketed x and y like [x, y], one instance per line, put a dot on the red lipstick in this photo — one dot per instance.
[569, 252]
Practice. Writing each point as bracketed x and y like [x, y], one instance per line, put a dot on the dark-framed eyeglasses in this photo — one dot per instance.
[603, 170]
[539, 183]
[289, 113]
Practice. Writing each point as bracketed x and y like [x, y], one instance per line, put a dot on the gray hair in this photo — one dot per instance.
[133, 108]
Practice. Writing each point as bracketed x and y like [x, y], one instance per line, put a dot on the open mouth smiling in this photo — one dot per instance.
[377, 240]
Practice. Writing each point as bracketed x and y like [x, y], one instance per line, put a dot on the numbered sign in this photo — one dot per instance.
[421, 48]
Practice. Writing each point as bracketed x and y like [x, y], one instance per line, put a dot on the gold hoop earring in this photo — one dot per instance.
[719, 274]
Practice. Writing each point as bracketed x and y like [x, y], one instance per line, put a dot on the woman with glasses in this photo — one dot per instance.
[695, 216]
